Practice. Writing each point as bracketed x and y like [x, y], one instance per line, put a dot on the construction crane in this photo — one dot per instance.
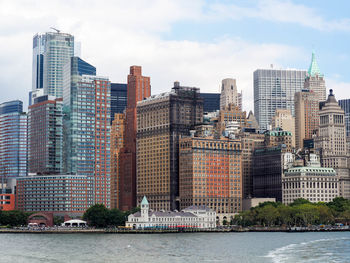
[58, 31]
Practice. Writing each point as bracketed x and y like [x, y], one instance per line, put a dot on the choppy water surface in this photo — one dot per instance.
[186, 247]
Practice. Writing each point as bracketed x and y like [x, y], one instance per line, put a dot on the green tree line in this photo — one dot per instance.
[299, 213]
[13, 218]
[101, 217]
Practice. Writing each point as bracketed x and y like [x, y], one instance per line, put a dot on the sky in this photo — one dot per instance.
[196, 42]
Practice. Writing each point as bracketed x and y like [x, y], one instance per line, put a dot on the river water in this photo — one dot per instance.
[183, 247]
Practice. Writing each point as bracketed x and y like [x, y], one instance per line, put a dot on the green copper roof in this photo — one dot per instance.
[144, 201]
[314, 69]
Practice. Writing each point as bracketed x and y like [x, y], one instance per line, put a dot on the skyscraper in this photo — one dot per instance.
[306, 116]
[161, 121]
[45, 136]
[87, 126]
[331, 142]
[139, 88]
[51, 51]
[38, 61]
[229, 94]
[315, 80]
[119, 93]
[13, 141]
[275, 89]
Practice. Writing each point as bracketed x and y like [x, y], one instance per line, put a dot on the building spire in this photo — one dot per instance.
[314, 69]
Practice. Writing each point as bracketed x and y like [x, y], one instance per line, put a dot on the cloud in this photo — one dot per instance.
[341, 89]
[117, 34]
[279, 11]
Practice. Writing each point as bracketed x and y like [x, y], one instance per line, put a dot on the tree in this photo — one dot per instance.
[116, 217]
[97, 216]
[268, 215]
[300, 201]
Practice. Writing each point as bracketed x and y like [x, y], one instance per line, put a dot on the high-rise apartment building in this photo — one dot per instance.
[161, 121]
[51, 51]
[315, 81]
[306, 116]
[119, 93]
[211, 101]
[231, 114]
[345, 105]
[210, 174]
[13, 141]
[229, 94]
[139, 88]
[87, 126]
[117, 144]
[45, 136]
[331, 142]
[283, 119]
[275, 89]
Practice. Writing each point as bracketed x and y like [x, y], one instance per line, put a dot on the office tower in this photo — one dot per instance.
[39, 41]
[118, 98]
[229, 94]
[268, 166]
[13, 141]
[161, 121]
[51, 51]
[87, 126]
[139, 88]
[331, 142]
[117, 144]
[211, 101]
[210, 174]
[306, 116]
[79, 118]
[45, 135]
[345, 105]
[275, 89]
[59, 194]
[315, 81]
[283, 119]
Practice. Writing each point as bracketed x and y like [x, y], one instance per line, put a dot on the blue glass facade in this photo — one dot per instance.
[13, 140]
[118, 98]
[345, 105]
[211, 101]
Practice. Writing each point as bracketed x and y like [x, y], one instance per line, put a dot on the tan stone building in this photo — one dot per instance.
[211, 174]
[306, 116]
[117, 143]
[331, 142]
[229, 94]
[161, 121]
[315, 81]
[283, 119]
[229, 114]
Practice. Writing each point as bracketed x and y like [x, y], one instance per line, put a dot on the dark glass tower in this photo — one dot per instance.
[118, 98]
[211, 101]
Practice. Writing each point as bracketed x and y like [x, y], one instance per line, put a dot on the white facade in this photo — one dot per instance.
[194, 216]
[316, 184]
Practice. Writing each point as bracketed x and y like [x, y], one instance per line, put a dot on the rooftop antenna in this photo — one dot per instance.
[58, 31]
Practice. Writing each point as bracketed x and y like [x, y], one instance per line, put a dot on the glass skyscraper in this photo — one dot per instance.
[86, 100]
[118, 98]
[13, 141]
[51, 51]
[275, 89]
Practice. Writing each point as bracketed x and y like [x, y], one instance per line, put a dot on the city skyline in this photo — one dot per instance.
[239, 38]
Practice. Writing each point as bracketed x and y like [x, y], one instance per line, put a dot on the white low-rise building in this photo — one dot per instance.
[193, 216]
[312, 182]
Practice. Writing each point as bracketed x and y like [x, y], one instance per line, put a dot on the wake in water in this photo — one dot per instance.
[321, 250]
